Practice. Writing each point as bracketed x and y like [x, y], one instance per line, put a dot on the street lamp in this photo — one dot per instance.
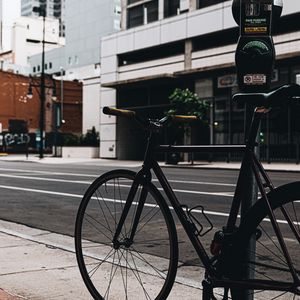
[39, 82]
[41, 10]
[59, 111]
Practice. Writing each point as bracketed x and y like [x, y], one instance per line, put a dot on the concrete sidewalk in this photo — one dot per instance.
[41, 265]
[284, 167]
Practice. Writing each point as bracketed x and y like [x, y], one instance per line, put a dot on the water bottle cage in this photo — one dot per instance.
[196, 224]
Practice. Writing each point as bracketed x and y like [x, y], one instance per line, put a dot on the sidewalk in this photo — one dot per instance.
[284, 167]
[41, 265]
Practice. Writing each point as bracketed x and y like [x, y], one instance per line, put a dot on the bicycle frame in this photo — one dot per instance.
[249, 161]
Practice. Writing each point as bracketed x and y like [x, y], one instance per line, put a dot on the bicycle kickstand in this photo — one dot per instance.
[208, 293]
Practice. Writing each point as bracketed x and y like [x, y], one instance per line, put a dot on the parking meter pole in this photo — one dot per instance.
[255, 56]
[250, 197]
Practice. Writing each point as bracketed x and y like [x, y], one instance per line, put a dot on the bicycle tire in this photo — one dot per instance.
[269, 262]
[162, 246]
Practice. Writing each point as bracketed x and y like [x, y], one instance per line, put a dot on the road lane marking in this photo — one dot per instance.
[45, 179]
[49, 173]
[208, 212]
[223, 194]
[95, 176]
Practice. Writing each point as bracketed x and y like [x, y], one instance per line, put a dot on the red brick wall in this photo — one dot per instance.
[15, 105]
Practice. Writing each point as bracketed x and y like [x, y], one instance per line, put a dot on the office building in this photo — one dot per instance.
[54, 9]
[191, 44]
[86, 23]
[9, 12]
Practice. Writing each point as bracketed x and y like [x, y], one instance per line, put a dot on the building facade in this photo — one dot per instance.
[54, 9]
[9, 12]
[190, 44]
[20, 114]
[26, 40]
[86, 23]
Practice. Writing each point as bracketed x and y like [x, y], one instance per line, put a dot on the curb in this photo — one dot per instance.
[6, 296]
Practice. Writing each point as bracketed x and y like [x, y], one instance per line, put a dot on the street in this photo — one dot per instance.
[47, 196]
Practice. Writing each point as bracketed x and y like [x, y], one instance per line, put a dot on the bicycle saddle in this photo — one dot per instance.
[275, 98]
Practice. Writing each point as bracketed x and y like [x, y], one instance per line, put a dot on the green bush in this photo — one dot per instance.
[91, 139]
[185, 102]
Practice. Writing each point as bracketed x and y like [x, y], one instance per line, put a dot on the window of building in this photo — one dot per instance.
[38, 68]
[151, 9]
[133, 1]
[117, 10]
[46, 66]
[135, 16]
[50, 65]
[205, 3]
[171, 8]
[34, 69]
[142, 14]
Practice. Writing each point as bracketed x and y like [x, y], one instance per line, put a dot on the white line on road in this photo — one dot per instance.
[225, 194]
[214, 213]
[45, 179]
[95, 176]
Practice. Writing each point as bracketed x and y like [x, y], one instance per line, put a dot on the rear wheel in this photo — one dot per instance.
[268, 261]
[142, 269]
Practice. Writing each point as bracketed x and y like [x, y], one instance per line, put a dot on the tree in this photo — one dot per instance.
[185, 102]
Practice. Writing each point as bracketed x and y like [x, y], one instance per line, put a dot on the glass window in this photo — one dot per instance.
[135, 16]
[152, 11]
[205, 3]
[132, 1]
[171, 7]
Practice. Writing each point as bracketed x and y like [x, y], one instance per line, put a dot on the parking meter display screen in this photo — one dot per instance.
[256, 17]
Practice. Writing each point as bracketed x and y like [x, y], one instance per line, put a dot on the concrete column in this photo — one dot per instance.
[123, 14]
[193, 5]
[108, 125]
[188, 54]
[160, 9]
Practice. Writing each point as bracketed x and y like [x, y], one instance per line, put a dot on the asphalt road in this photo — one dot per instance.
[47, 196]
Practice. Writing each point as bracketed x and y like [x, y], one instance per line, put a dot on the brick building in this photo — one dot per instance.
[19, 113]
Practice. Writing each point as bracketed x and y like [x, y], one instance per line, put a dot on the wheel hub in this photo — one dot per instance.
[125, 243]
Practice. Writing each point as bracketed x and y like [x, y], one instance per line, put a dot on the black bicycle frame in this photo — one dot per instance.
[249, 160]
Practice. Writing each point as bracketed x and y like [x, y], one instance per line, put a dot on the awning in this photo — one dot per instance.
[203, 69]
[160, 78]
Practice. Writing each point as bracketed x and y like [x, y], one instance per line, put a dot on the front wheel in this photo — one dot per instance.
[142, 268]
[268, 262]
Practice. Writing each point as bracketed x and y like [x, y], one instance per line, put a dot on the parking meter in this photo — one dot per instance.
[255, 53]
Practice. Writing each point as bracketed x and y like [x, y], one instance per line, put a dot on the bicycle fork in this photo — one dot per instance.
[128, 240]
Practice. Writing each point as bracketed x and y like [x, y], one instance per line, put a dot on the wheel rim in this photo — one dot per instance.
[127, 269]
[268, 262]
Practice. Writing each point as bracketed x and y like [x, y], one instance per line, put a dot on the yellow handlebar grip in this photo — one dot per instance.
[118, 112]
[180, 118]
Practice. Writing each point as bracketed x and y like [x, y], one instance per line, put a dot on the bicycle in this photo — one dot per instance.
[125, 228]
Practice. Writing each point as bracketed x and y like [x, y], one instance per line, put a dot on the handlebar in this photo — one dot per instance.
[119, 112]
[129, 114]
[182, 118]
